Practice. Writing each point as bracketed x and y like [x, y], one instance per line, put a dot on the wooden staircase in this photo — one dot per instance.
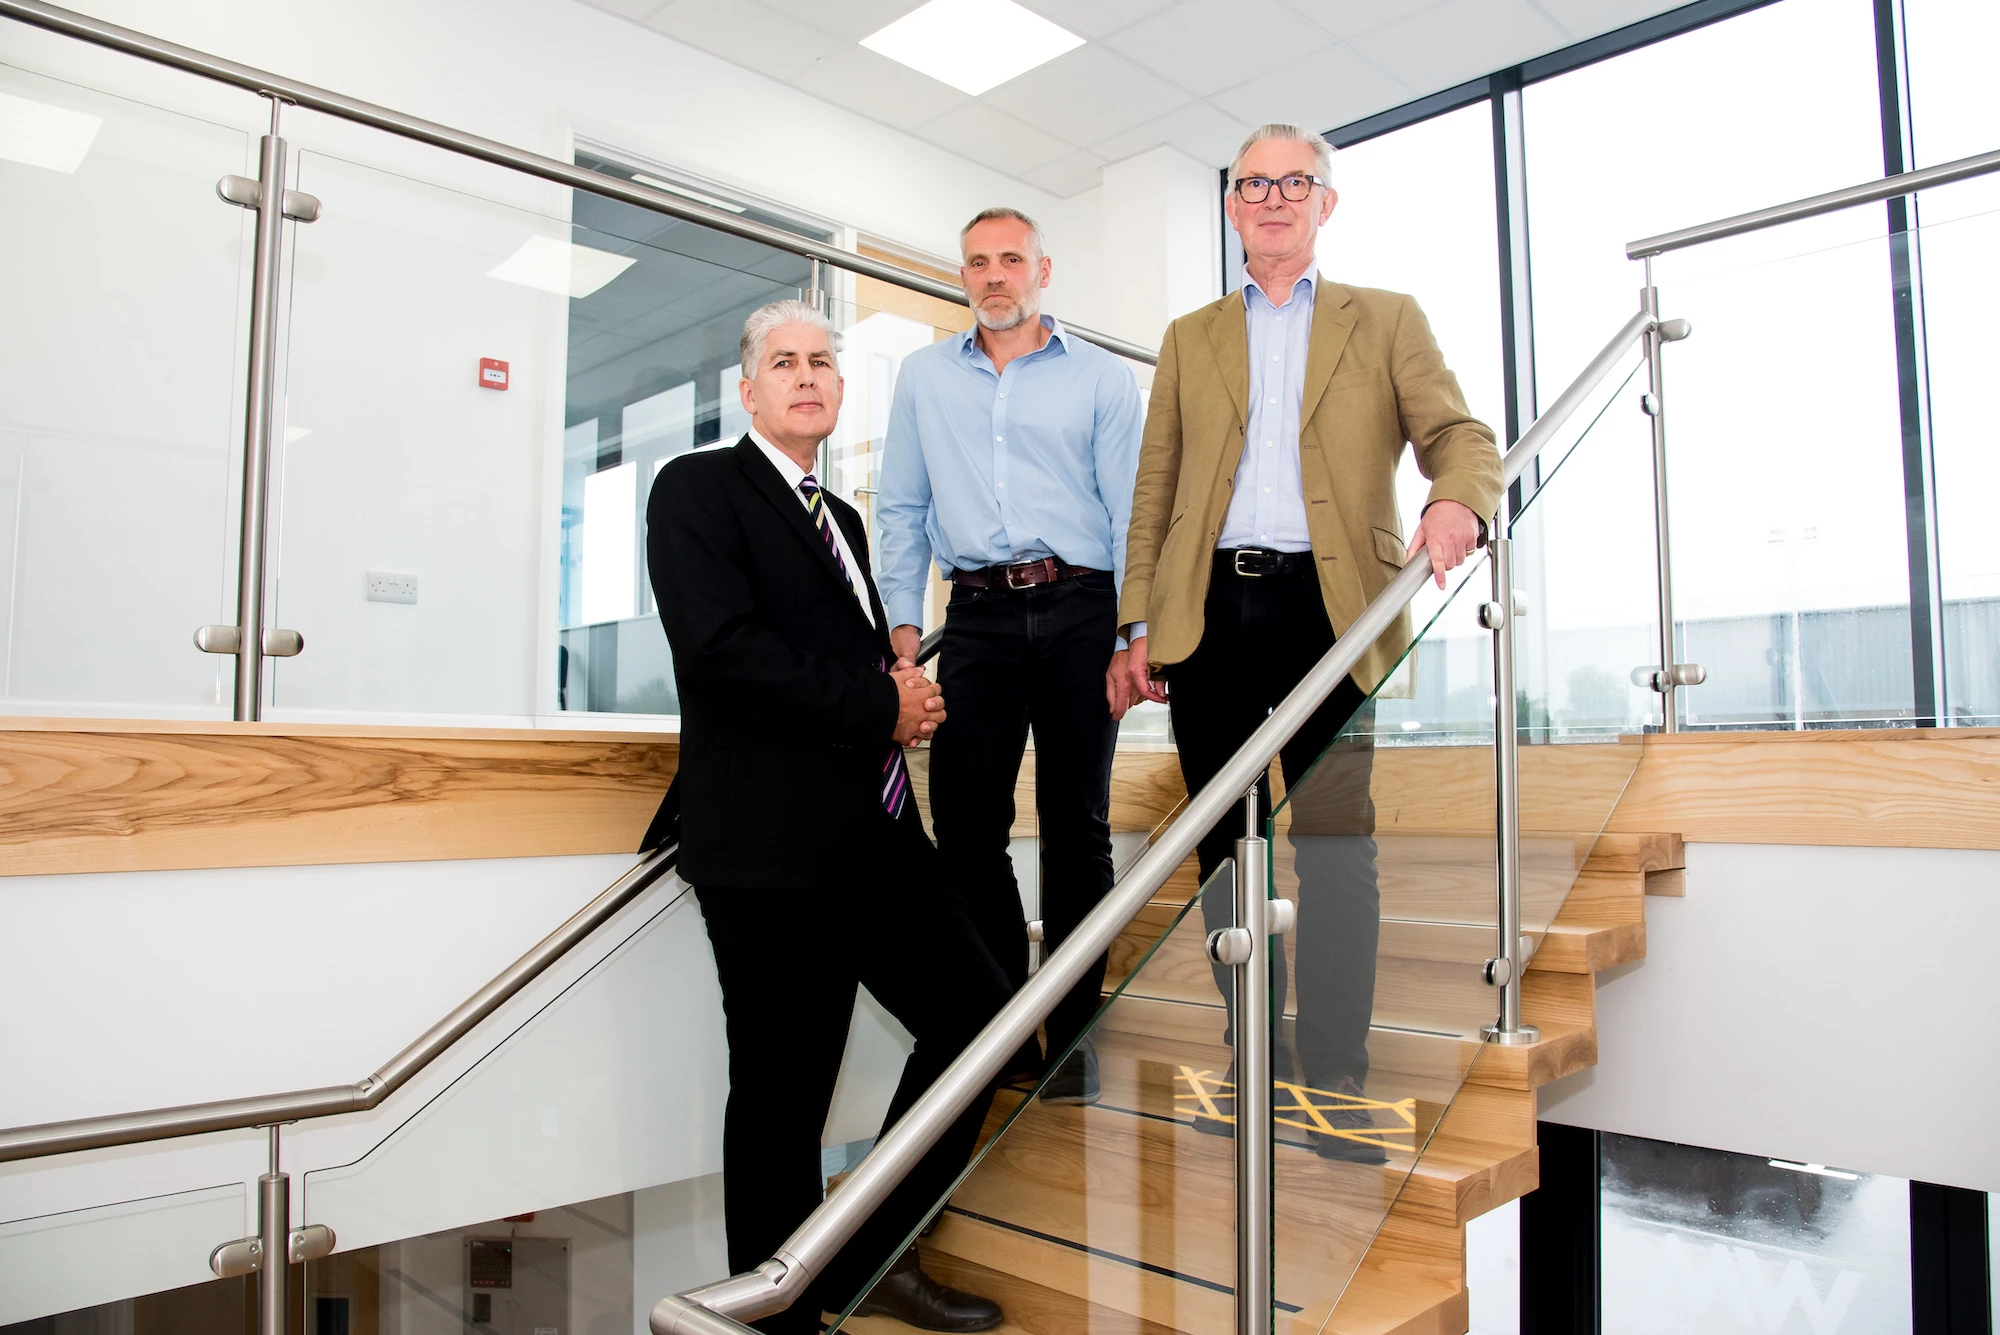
[1118, 1217]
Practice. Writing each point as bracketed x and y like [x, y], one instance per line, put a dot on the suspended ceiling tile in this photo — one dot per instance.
[993, 138]
[747, 33]
[1591, 18]
[1094, 18]
[1460, 40]
[852, 19]
[1319, 91]
[1198, 129]
[1208, 45]
[874, 85]
[1086, 95]
[1068, 175]
[1350, 18]
[639, 10]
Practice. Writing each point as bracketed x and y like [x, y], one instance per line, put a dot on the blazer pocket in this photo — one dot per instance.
[1389, 547]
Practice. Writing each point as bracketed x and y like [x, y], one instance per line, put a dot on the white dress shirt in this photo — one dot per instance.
[793, 475]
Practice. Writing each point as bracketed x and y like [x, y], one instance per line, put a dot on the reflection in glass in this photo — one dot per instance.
[653, 371]
[1699, 1240]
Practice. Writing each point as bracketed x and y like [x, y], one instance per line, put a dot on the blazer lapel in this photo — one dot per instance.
[1227, 335]
[1333, 322]
[791, 510]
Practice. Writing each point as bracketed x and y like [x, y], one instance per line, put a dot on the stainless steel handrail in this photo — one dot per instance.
[99, 33]
[719, 1308]
[93, 1133]
[1833, 201]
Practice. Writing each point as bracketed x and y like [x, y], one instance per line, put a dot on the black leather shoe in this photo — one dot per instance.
[1075, 1081]
[1358, 1120]
[915, 1299]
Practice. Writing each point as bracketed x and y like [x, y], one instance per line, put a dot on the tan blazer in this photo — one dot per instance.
[1375, 380]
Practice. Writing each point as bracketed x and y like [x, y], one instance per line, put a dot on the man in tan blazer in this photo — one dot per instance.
[1264, 520]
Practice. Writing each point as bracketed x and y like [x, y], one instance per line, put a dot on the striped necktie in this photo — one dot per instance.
[895, 775]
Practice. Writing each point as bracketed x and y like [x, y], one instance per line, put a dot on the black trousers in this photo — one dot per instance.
[789, 961]
[1013, 659]
[1261, 634]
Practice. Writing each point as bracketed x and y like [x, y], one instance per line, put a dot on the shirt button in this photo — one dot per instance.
[1272, 402]
[1274, 356]
[1003, 393]
[998, 439]
[1267, 490]
[1267, 444]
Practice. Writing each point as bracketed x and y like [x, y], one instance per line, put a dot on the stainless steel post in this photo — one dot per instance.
[257, 419]
[816, 292]
[274, 1226]
[1253, 1080]
[1504, 970]
[1656, 410]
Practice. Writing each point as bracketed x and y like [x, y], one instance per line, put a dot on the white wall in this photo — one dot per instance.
[1160, 217]
[1829, 1005]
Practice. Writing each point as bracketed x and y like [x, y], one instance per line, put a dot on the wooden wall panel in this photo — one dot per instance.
[1874, 787]
[118, 795]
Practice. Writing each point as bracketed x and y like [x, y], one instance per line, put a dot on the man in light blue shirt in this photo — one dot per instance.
[1009, 461]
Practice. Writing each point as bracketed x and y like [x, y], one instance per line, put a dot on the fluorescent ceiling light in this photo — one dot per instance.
[1817, 1168]
[686, 193]
[560, 267]
[973, 45]
[45, 136]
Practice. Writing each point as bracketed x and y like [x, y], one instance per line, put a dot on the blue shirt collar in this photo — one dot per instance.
[1310, 281]
[1057, 336]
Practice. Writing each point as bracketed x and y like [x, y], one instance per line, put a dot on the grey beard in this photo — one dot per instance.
[1023, 312]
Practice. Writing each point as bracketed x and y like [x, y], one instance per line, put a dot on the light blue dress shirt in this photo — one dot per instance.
[1268, 505]
[982, 469]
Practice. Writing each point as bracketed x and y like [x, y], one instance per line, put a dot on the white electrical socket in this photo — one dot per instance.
[386, 586]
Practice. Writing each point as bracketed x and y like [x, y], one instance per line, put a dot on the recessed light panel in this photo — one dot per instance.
[45, 136]
[560, 267]
[973, 45]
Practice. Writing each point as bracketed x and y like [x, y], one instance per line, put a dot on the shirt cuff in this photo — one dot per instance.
[1135, 631]
[905, 609]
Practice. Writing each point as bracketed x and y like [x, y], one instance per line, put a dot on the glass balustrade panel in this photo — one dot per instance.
[1790, 555]
[1385, 846]
[1117, 1213]
[126, 286]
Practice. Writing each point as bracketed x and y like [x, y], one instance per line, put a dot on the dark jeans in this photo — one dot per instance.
[1261, 634]
[1014, 659]
[789, 961]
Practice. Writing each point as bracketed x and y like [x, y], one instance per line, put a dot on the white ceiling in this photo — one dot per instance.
[1195, 74]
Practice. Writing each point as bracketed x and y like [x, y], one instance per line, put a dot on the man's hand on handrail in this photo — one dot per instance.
[1451, 531]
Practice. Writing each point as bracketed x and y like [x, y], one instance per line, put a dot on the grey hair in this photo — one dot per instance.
[1002, 211]
[1291, 134]
[757, 329]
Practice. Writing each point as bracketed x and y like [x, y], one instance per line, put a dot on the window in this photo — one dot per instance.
[1698, 1240]
[1784, 441]
[1953, 114]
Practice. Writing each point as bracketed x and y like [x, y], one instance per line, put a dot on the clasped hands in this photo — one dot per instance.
[919, 703]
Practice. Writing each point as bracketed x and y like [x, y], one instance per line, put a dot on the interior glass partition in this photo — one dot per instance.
[124, 279]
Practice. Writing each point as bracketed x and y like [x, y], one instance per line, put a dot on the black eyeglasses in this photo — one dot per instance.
[1257, 189]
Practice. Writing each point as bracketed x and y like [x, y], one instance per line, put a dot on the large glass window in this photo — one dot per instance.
[1784, 439]
[1699, 1240]
[1953, 114]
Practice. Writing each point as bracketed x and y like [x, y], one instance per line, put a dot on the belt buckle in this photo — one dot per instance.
[1023, 568]
[1252, 553]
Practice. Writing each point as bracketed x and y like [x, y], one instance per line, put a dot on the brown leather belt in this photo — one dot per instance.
[1259, 562]
[1048, 570]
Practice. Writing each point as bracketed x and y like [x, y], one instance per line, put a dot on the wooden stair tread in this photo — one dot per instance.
[1076, 1210]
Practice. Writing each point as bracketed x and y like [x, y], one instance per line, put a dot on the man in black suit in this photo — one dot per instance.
[797, 830]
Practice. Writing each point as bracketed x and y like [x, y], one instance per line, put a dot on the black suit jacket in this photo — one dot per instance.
[786, 714]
